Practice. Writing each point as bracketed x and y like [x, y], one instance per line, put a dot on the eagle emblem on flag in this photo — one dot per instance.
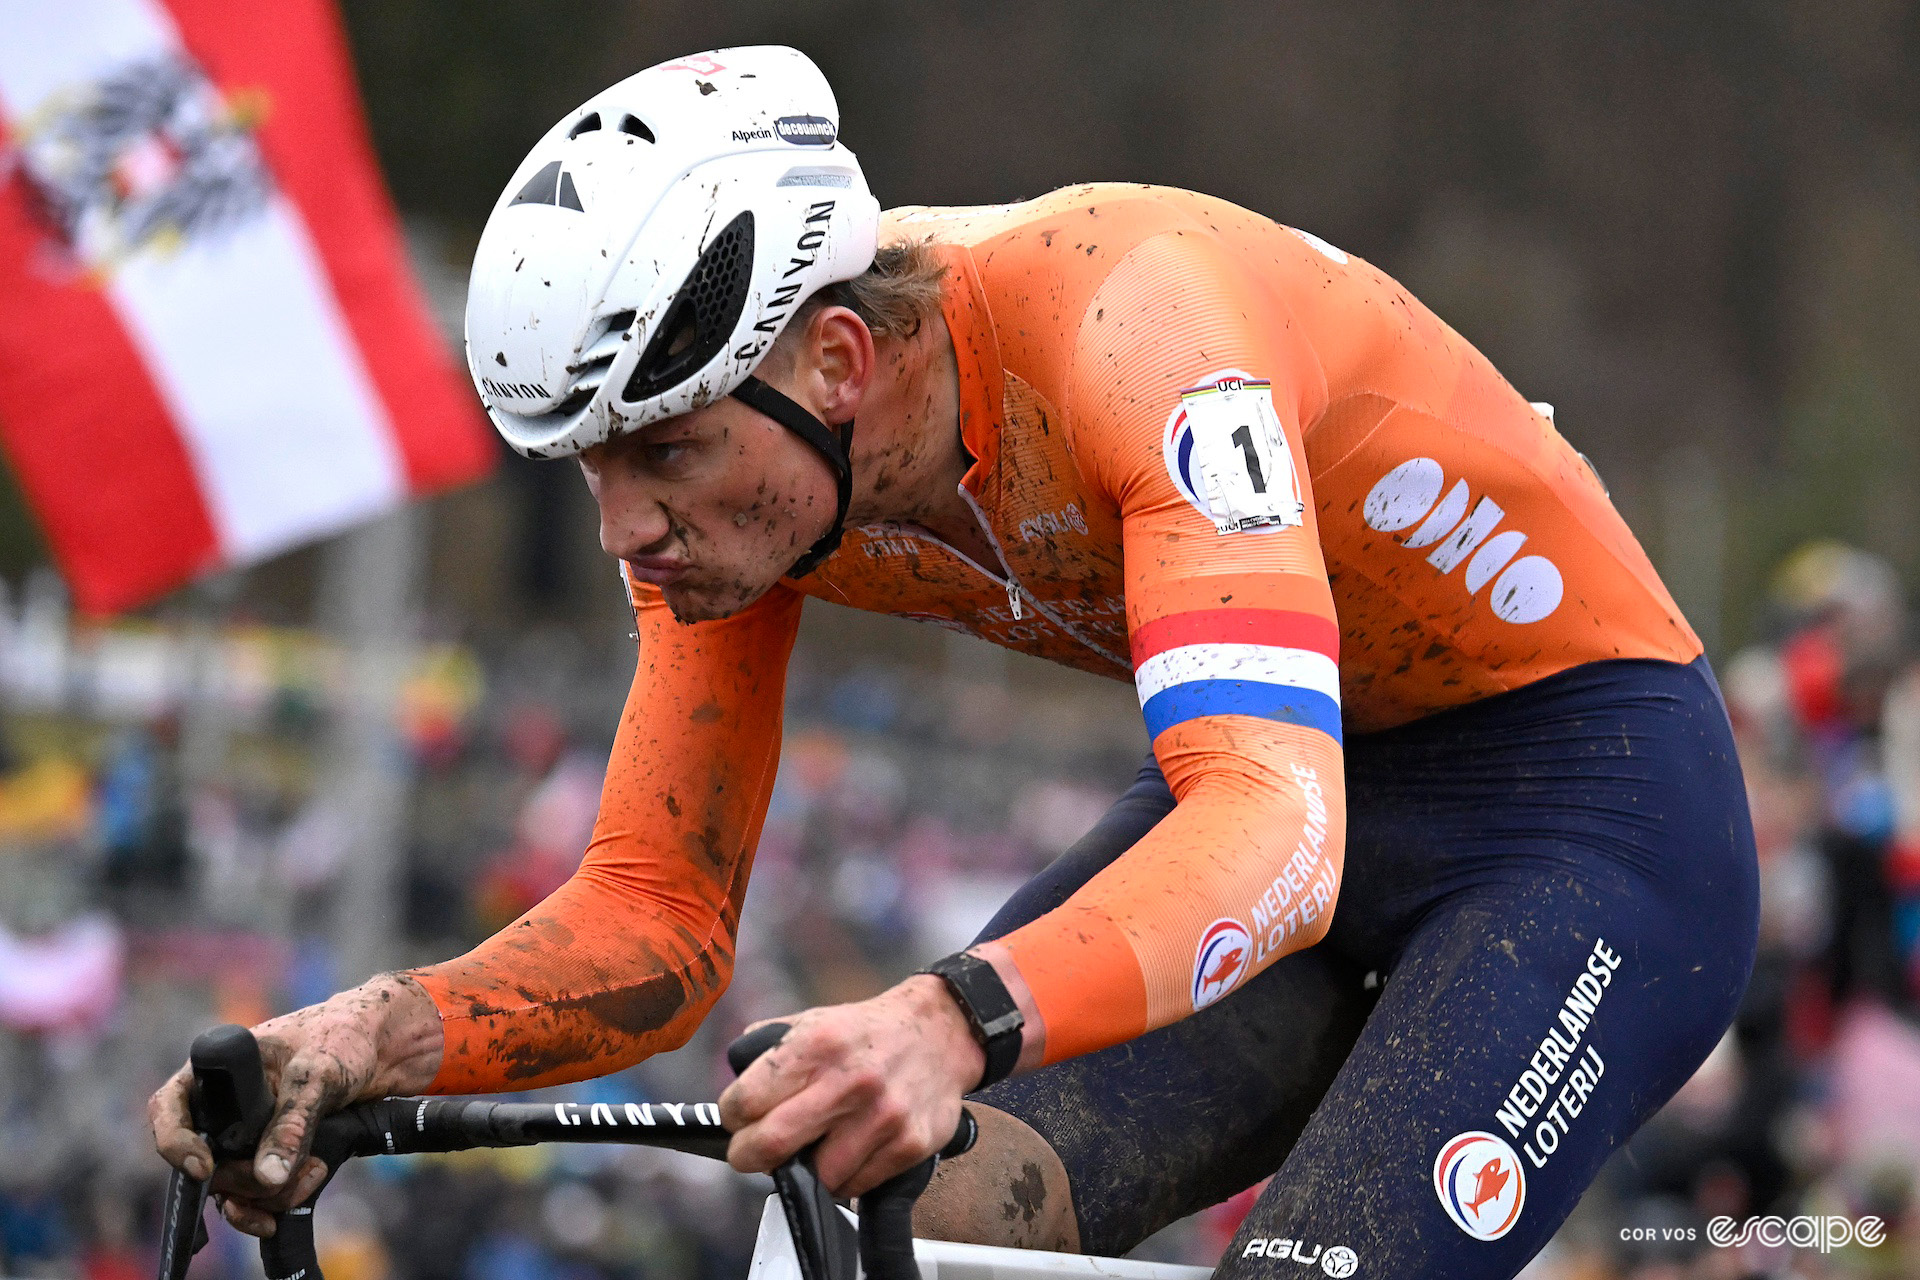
[145, 159]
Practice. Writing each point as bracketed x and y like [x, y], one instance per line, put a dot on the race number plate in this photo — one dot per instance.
[1227, 453]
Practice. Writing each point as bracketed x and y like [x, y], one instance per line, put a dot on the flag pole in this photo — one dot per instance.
[370, 585]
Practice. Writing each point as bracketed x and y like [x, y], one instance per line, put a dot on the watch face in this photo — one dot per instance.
[1007, 1024]
[982, 996]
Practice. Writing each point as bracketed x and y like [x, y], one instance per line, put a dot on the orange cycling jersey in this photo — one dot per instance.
[1218, 457]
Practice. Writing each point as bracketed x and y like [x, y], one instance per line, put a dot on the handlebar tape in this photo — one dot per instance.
[232, 1105]
[886, 1212]
[407, 1126]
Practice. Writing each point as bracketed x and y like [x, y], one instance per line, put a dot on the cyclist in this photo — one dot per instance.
[1438, 880]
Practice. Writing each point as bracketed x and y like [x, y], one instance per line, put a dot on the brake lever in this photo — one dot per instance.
[823, 1239]
[186, 1229]
[230, 1105]
[826, 1245]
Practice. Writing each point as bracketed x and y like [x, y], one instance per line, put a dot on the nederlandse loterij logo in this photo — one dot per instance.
[1220, 961]
[1478, 1179]
[145, 159]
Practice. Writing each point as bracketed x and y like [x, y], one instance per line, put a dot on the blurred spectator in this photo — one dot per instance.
[142, 818]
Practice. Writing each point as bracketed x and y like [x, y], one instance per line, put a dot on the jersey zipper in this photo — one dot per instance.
[1015, 592]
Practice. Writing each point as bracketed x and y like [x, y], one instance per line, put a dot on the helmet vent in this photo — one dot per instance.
[701, 316]
[599, 347]
[588, 123]
[552, 185]
[576, 401]
[634, 125]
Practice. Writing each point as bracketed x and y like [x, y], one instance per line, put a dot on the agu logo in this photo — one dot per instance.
[1339, 1262]
[1478, 1179]
[1226, 949]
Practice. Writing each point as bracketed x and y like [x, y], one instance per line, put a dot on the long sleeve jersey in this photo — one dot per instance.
[1218, 458]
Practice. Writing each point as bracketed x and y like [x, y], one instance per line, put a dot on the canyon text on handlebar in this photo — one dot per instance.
[231, 1106]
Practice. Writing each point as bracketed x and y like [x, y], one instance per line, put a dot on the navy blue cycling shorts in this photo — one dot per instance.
[1547, 920]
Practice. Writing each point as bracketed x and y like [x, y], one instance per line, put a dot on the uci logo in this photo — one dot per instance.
[1478, 1179]
[1227, 453]
[1524, 590]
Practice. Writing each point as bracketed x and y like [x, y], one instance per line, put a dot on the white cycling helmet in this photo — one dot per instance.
[651, 247]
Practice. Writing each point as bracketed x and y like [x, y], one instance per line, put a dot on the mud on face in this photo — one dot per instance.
[717, 503]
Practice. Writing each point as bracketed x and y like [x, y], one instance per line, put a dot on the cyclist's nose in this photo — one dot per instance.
[632, 520]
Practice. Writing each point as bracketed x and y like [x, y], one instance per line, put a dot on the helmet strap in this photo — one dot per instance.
[835, 445]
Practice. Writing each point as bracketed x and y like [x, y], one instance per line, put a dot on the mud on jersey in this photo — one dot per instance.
[1219, 458]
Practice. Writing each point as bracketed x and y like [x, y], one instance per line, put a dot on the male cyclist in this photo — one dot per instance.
[1438, 880]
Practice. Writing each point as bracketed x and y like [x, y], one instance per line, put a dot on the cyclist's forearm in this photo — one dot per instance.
[625, 959]
[1244, 871]
[590, 982]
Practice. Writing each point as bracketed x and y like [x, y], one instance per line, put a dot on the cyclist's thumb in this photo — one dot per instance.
[290, 1133]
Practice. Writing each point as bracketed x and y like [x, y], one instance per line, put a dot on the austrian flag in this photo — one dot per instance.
[210, 347]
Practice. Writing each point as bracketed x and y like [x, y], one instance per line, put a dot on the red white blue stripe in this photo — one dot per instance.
[1277, 664]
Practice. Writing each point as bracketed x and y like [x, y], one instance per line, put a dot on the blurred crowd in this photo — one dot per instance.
[173, 829]
[1810, 1107]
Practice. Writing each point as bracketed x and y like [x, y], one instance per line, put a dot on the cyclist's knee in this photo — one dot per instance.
[1010, 1190]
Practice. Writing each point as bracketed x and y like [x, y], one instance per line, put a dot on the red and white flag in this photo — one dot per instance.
[210, 347]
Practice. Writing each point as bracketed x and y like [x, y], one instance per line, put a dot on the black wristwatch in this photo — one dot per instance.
[996, 1021]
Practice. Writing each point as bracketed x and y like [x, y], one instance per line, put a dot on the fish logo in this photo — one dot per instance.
[1489, 1183]
[1480, 1184]
[1221, 961]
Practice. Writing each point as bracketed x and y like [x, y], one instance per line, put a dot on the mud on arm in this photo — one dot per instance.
[1191, 383]
[625, 959]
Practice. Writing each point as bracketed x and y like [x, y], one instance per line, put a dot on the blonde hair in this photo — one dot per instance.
[895, 296]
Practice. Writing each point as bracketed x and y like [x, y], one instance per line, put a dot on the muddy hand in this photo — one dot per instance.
[878, 1083]
[380, 1038]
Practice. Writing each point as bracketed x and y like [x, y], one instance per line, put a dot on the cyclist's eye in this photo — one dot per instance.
[666, 453]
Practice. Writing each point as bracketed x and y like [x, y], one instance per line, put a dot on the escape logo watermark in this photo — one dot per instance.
[1825, 1233]
[1822, 1232]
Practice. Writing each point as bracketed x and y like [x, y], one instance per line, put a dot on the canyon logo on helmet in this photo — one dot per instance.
[672, 230]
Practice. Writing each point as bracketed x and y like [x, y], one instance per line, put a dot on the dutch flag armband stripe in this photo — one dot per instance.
[1271, 663]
